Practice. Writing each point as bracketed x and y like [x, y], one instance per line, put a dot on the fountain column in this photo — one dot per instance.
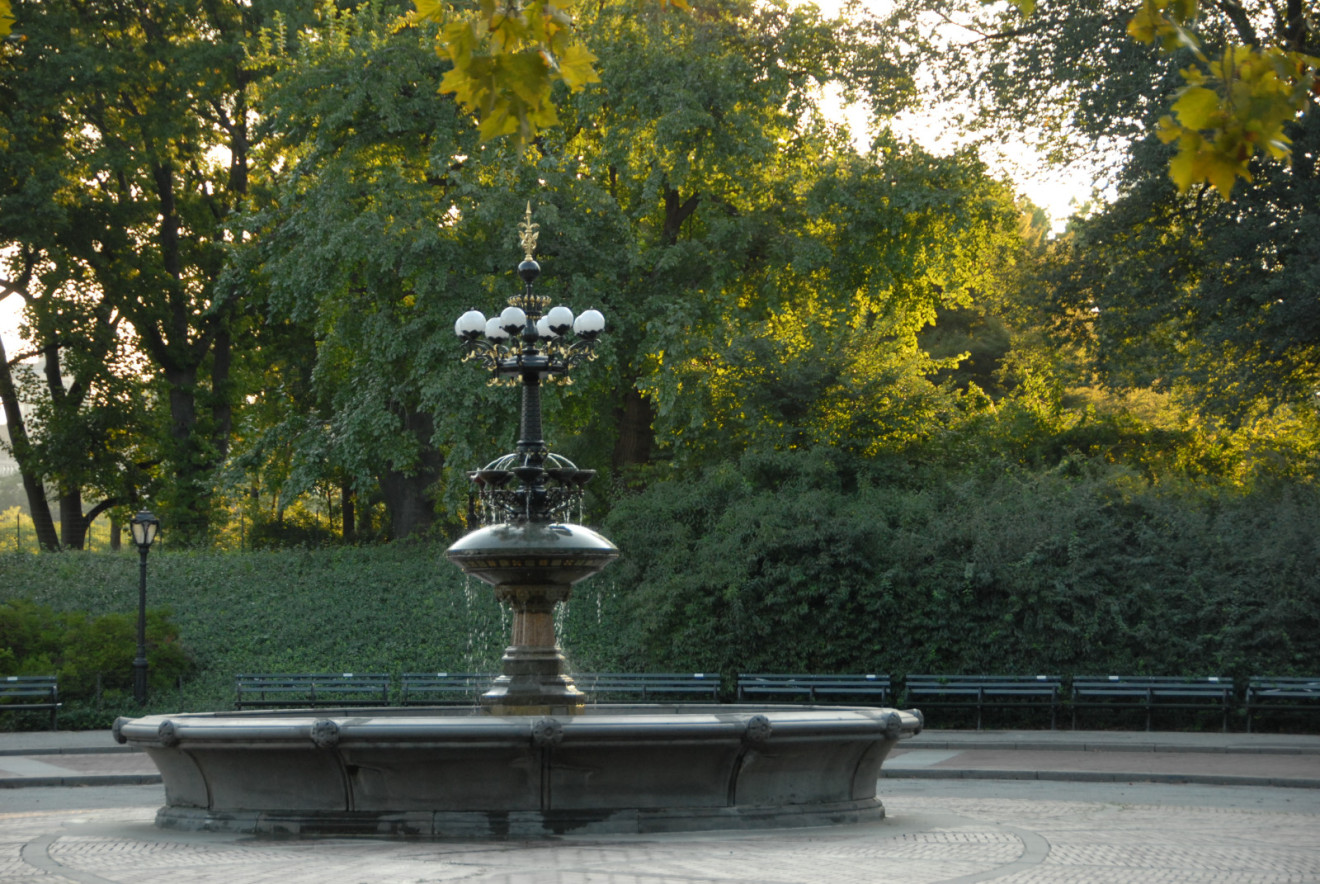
[527, 549]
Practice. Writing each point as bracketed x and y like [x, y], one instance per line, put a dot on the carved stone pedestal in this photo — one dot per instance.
[533, 679]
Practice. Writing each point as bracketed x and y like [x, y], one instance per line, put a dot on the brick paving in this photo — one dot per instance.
[1042, 831]
[1015, 840]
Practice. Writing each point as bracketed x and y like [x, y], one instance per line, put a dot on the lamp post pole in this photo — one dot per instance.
[144, 526]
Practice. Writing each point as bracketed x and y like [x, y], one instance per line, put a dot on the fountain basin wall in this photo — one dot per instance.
[449, 772]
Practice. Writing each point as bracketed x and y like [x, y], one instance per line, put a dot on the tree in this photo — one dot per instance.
[1237, 103]
[827, 349]
[33, 486]
[662, 192]
[372, 236]
[128, 134]
[705, 134]
[1200, 295]
[1234, 74]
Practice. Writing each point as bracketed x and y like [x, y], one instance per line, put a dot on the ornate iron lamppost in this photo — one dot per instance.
[144, 526]
[525, 545]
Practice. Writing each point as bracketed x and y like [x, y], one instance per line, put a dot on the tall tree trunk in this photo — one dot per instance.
[347, 502]
[73, 524]
[190, 508]
[411, 510]
[18, 441]
[221, 407]
[635, 417]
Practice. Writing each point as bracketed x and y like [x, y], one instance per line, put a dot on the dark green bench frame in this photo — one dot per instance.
[30, 693]
[443, 688]
[1282, 694]
[873, 689]
[986, 691]
[264, 690]
[1149, 692]
[644, 686]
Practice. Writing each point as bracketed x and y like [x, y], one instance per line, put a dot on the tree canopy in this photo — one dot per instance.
[242, 232]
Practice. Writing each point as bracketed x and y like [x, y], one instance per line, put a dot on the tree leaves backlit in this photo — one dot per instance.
[507, 58]
[1233, 107]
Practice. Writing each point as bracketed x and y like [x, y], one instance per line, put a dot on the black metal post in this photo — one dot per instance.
[140, 661]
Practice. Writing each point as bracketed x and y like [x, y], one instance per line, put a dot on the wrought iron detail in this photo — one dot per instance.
[528, 346]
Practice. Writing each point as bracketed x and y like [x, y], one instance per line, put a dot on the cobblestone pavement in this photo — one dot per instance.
[949, 832]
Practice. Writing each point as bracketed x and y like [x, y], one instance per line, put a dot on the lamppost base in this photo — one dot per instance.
[140, 680]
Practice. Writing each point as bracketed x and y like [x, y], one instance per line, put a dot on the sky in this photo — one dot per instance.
[9, 308]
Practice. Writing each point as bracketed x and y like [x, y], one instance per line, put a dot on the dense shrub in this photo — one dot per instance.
[91, 655]
[783, 562]
[790, 562]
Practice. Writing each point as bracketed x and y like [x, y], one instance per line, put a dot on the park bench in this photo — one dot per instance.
[311, 689]
[426, 688]
[646, 686]
[1147, 692]
[869, 688]
[30, 693]
[1282, 694]
[980, 692]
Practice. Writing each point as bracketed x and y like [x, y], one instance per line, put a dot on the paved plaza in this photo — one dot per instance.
[944, 831]
[962, 808]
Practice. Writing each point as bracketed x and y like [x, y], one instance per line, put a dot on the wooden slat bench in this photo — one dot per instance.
[1148, 692]
[427, 688]
[34, 693]
[1282, 694]
[311, 689]
[647, 686]
[870, 688]
[980, 692]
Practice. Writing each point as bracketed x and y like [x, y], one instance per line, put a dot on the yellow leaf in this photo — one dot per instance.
[1147, 23]
[1222, 173]
[1280, 148]
[499, 121]
[459, 40]
[456, 80]
[1196, 107]
[1182, 169]
[575, 66]
[430, 10]
[526, 75]
[6, 18]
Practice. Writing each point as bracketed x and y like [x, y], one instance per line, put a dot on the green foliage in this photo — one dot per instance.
[1200, 297]
[396, 608]
[781, 561]
[803, 562]
[91, 654]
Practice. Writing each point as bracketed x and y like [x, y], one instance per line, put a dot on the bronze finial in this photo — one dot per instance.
[527, 233]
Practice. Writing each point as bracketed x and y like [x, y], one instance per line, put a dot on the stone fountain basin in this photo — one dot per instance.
[459, 772]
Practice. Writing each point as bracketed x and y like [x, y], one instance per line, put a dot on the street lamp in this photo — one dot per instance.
[144, 526]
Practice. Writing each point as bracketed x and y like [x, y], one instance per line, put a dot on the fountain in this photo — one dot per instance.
[533, 758]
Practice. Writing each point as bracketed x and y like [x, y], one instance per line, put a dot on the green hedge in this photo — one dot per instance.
[396, 608]
[790, 563]
[781, 563]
